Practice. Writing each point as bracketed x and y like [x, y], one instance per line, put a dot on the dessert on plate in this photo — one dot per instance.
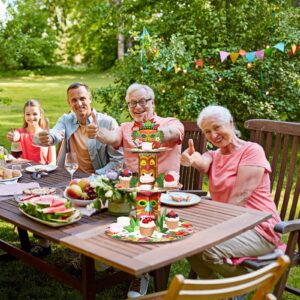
[147, 226]
[171, 180]
[125, 178]
[172, 220]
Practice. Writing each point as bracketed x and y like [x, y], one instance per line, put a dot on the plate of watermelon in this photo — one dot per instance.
[51, 210]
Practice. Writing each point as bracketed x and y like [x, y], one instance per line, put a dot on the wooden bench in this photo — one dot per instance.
[281, 142]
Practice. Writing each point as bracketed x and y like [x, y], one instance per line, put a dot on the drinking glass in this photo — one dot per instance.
[3, 152]
[71, 163]
[16, 149]
[17, 169]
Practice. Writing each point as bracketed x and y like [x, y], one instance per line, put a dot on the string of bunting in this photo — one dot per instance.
[146, 46]
[260, 54]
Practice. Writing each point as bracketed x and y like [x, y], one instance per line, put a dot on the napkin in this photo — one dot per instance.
[16, 188]
[86, 212]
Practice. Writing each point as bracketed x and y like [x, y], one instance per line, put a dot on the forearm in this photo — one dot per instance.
[201, 166]
[171, 133]
[109, 137]
[247, 181]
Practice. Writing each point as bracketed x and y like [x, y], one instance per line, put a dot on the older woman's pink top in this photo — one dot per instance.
[42, 155]
[222, 176]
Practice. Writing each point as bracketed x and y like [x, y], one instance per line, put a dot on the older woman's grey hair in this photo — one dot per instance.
[136, 87]
[219, 112]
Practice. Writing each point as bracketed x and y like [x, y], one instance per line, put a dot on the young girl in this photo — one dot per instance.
[34, 122]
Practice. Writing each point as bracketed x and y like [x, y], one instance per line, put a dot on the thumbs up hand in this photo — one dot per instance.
[190, 156]
[191, 148]
[47, 124]
[92, 128]
[44, 136]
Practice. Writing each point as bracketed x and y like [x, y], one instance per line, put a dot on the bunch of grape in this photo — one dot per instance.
[91, 192]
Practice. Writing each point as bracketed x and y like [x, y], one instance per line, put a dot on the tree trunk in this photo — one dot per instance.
[120, 35]
[121, 45]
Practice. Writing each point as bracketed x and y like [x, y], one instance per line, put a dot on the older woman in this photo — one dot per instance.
[238, 173]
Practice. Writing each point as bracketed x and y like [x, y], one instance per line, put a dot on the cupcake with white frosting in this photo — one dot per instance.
[147, 226]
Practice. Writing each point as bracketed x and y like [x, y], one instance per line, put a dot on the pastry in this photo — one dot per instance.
[172, 220]
[147, 226]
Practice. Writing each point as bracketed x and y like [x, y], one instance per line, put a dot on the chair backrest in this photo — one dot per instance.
[281, 142]
[190, 178]
[261, 281]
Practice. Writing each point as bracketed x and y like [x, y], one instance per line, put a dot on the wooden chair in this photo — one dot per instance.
[261, 281]
[281, 142]
[190, 178]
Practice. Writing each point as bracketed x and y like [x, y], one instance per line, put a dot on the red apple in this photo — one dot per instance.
[74, 191]
[84, 183]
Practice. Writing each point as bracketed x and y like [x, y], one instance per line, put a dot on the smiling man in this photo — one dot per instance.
[140, 101]
[93, 155]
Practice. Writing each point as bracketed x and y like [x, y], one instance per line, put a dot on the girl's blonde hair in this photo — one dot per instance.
[32, 103]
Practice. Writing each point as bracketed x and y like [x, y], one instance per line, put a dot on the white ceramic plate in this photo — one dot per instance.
[167, 199]
[11, 180]
[38, 168]
[78, 202]
[53, 224]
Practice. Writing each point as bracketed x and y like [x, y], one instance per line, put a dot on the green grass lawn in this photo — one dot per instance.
[17, 280]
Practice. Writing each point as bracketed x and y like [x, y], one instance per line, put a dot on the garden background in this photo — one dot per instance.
[238, 53]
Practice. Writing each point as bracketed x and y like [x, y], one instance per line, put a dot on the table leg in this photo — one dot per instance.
[88, 278]
[161, 277]
[24, 239]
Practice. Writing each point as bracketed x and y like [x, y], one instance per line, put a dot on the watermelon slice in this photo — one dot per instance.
[58, 202]
[65, 213]
[55, 209]
[67, 219]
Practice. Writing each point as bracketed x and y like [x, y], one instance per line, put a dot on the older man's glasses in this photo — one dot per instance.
[141, 102]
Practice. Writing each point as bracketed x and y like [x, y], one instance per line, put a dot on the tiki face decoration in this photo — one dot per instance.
[147, 132]
[147, 205]
[148, 168]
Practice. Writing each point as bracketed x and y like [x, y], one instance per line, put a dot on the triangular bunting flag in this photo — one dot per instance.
[260, 54]
[268, 51]
[234, 57]
[223, 55]
[145, 33]
[169, 68]
[294, 48]
[242, 52]
[280, 46]
[177, 69]
[250, 56]
[199, 63]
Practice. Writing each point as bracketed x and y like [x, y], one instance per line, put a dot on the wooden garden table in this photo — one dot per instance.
[212, 222]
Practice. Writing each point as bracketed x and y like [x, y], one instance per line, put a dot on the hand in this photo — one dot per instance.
[92, 128]
[13, 136]
[190, 156]
[45, 138]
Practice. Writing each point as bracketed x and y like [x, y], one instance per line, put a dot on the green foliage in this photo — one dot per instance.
[27, 41]
[95, 35]
[199, 29]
